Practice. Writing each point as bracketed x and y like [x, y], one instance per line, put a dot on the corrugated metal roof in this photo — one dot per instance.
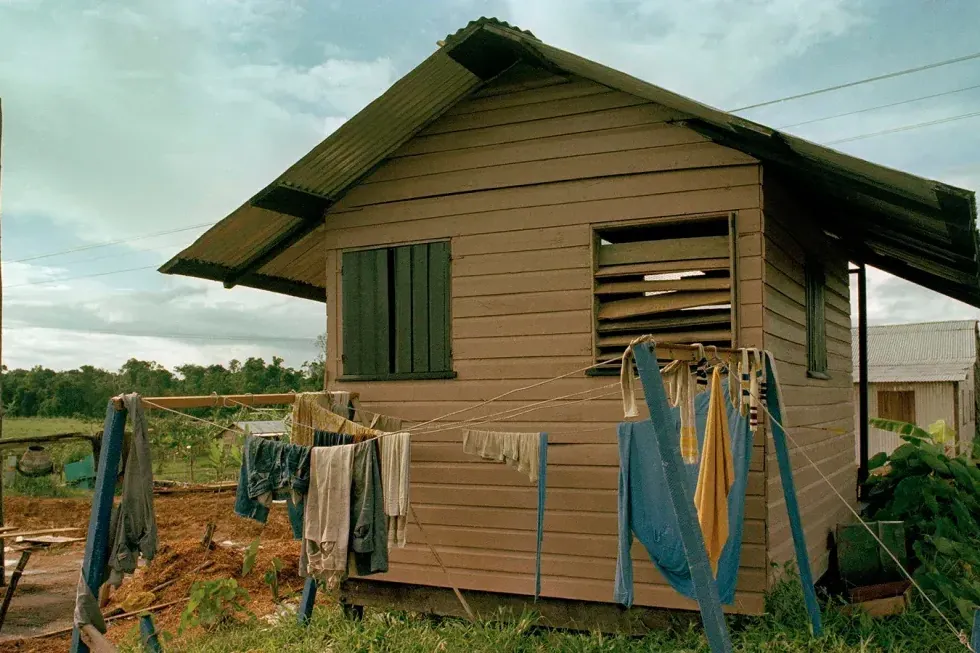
[921, 352]
[915, 228]
[262, 427]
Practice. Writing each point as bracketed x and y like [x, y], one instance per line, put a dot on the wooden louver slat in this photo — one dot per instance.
[639, 306]
[685, 283]
[651, 286]
[651, 251]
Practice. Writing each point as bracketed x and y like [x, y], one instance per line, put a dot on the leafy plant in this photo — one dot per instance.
[272, 578]
[937, 495]
[251, 555]
[213, 603]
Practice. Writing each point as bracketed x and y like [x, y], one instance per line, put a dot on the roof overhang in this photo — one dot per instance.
[918, 229]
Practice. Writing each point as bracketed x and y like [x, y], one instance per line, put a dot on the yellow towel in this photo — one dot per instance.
[716, 474]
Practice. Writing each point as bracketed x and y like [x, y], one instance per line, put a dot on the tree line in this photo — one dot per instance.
[83, 392]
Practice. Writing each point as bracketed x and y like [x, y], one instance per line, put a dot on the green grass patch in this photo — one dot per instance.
[24, 427]
[784, 629]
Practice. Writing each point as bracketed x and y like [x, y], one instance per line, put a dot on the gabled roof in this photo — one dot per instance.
[918, 353]
[915, 228]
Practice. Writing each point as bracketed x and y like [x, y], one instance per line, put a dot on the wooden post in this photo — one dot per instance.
[705, 588]
[148, 635]
[792, 506]
[862, 279]
[3, 568]
[97, 540]
[305, 610]
[14, 579]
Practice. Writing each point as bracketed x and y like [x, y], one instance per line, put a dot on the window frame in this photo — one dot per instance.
[906, 397]
[396, 258]
[815, 295]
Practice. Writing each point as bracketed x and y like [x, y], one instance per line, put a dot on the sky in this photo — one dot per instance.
[124, 120]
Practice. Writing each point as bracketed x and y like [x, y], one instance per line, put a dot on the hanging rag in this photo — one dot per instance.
[396, 458]
[681, 387]
[296, 506]
[368, 524]
[715, 475]
[326, 524]
[133, 524]
[385, 423]
[646, 511]
[310, 415]
[519, 450]
[627, 382]
[267, 466]
[339, 402]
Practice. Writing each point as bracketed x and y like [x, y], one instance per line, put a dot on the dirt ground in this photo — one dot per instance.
[45, 597]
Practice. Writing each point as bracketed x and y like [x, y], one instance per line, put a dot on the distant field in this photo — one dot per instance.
[20, 427]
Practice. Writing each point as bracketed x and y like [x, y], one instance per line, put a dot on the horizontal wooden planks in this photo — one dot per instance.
[585, 166]
[653, 304]
[537, 281]
[618, 139]
[686, 283]
[667, 249]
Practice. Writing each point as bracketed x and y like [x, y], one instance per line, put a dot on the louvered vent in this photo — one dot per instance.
[672, 280]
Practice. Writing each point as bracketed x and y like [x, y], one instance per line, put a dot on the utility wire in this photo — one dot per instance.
[82, 276]
[880, 106]
[859, 82]
[904, 128]
[111, 242]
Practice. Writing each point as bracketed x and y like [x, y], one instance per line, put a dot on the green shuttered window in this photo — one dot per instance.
[396, 313]
[816, 321]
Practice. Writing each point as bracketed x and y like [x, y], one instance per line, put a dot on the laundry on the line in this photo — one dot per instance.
[519, 450]
[396, 455]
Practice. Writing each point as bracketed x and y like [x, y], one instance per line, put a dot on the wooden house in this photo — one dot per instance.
[509, 212]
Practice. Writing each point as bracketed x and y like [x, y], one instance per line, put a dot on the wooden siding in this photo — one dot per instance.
[819, 413]
[518, 180]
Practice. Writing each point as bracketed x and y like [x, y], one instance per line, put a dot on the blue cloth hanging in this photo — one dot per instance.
[645, 509]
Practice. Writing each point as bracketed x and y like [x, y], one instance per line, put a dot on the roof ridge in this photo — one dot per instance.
[484, 20]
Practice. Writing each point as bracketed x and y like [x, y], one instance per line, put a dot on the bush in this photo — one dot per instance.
[937, 495]
[214, 603]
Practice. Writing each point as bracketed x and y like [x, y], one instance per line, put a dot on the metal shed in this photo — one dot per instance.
[509, 212]
[921, 373]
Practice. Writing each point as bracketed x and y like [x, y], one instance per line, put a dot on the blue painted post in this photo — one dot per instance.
[97, 539]
[305, 610]
[792, 506]
[975, 635]
[542, 490]
[148, 635]
[705, 588]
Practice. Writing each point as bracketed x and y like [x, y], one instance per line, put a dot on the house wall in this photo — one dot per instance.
[819, 412]
[932, 401]
[517, 176]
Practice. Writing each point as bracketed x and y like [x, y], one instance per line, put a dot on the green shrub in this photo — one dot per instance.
[214, 603]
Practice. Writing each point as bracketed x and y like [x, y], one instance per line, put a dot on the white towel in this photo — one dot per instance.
[326, 522]
[396, 458]
[519, 450]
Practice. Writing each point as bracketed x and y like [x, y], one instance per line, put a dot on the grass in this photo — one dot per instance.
[784, 629]
[22, 427]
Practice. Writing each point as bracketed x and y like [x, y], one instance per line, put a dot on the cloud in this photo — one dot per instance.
[163, 114]
[711, 50]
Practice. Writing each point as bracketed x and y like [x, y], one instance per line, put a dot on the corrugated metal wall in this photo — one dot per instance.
[932, 401]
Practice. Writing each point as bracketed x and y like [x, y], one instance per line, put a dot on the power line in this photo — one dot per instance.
[904, 128]
[170, 336]
[880, 106]
[859, 82]
[113, 242]
[83, 276]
